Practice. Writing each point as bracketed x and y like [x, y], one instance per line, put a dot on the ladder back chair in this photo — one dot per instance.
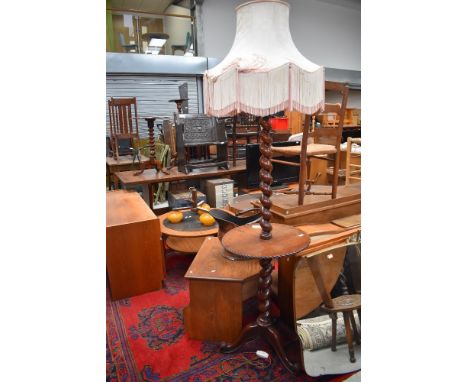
[353, 170]
[123, 120]
[244, 126]
[326, 141]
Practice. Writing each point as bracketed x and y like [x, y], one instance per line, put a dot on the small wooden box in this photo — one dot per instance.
[219, 192]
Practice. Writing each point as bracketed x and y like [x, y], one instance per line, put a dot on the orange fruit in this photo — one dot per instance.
[207, 219]
[204, 206]
[175, 217]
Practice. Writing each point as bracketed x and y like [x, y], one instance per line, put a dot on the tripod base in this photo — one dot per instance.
[282, 339]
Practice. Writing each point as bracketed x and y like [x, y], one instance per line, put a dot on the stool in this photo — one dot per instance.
[345, 304]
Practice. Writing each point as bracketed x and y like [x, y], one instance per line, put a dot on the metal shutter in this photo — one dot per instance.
[153, 94]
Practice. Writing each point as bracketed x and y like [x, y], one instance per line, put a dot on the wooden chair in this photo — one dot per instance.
[345, 304]
[243, 126]
[123, 122]
[352, 169]
[326, 141]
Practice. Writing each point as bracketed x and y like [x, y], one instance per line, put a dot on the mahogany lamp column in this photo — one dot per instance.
[256, 241]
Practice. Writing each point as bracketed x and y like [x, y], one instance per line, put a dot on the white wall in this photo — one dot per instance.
[324, 31]
[176, 28]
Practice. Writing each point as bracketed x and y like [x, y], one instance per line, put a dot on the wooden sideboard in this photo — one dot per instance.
[134, 256]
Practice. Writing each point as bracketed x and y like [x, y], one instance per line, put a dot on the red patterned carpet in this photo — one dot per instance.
[146, 341]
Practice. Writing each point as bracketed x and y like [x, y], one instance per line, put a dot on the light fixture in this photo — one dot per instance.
[155, 42]
[264, 72]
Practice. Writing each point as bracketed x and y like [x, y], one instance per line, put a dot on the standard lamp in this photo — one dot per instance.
[262, 74]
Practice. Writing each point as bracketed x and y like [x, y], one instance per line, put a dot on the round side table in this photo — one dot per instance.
[245, 242]
[186, 236]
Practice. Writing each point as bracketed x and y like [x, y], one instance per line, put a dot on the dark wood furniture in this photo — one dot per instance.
[150, 177]
[256, 241]
[123, 120]
[217, 288]
[243, 126]
[199, 130]
[327, 142]
[133, 245]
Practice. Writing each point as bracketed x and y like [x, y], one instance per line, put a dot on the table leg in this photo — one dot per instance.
[264, 326]
[151, 196]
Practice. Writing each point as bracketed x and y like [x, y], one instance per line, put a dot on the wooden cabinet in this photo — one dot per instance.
[134, 257]
[218, 287]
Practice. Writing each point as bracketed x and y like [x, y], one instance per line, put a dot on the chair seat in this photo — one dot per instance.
[312, 149]
[344, 303]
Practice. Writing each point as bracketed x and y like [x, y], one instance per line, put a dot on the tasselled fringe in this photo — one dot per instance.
[287, 87]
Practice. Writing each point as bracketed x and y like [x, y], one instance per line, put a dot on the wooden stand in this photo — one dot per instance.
[257, 242]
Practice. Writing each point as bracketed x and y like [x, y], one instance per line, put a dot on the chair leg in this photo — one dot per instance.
[333, 344]
[336, 170]
[349, 337]
[356, 334]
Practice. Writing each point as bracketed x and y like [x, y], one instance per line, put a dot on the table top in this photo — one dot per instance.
[126, 207]
[244, 241]
[128, 178]
[209, 263]
[125, 160]
[177, 230]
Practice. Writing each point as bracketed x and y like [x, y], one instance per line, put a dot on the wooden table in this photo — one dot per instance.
[181, 240]
[217, 288]
[294, 285]
[150, 177]
[123, 163]
[133, 245]
[316, 208]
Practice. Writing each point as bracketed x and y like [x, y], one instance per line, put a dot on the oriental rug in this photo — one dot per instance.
[146, 341]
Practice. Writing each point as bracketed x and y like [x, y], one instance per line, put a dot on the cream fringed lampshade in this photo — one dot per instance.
[263, 73]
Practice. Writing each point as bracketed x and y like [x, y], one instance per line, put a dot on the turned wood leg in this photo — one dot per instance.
[356, 334]
[151, 196]
[349, 337]
[334, 319]
[273, 339]
[249, 332]
[359, 315]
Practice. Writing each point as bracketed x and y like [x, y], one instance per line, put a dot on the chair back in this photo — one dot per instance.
[330, 133]
[123, 118]
[353, 162]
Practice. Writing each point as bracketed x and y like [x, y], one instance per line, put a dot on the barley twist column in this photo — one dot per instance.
[152, 153]
[263, 294]
[265, 178]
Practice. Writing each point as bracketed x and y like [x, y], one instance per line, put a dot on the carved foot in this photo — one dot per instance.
[249, 332]
[274, 340]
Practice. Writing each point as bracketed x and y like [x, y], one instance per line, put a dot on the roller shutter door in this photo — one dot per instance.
[153, 94]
